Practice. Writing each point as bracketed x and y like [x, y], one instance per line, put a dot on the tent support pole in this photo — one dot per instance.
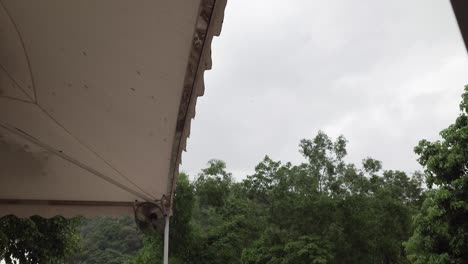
[166, 241]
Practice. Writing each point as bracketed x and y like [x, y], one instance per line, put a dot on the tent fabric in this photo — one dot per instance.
[96, 100]
[460, 8]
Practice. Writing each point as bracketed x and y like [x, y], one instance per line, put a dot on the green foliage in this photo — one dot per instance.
[441, 227]
[150, 253]
[184, 200]
[181, 237]
[359, 216]
[321, 211]
[107, 240]
[279, 246]
[325, 159]
[213, 184]
[38, 240]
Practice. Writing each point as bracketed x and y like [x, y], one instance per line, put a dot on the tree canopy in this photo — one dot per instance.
[441, 226]
[38, 240]
[324, 210]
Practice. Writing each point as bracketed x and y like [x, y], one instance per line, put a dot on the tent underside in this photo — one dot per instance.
[96, 100]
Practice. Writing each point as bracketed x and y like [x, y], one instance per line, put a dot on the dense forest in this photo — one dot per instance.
[324, 210]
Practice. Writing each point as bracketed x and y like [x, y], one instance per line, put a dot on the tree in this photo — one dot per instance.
[213, 184]
[328, 211]
[441, 227]
[107, 240]
[228, 223]
[325, 159]
[281, 247]
[181, 237]
[37, 240]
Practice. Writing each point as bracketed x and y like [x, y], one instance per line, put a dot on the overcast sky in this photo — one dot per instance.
[385, 74]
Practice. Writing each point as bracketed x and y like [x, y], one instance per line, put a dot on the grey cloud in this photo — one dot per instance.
[383, 73]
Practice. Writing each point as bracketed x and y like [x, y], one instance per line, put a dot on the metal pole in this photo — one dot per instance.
[166, 241]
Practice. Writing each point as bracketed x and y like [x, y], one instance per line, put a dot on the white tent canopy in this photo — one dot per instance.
[96, 99]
